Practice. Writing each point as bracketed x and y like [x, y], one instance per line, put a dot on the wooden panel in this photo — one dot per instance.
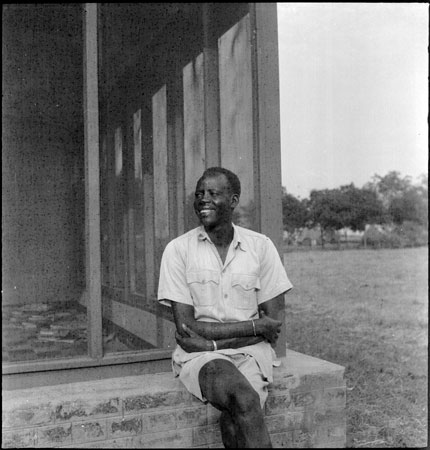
[161, 197]
[84, 369]
[139, 228]
[119, 208]
[194, 133]
[267, 124]
[104, 211]
[148, 199]
[171, 157]
[153, 329]
[268, 119]
[137, 145]
[211, 86]
[128, 156]
[148, 191]
[92, 186]
[235, 81]
[111, 208]
[179, 150]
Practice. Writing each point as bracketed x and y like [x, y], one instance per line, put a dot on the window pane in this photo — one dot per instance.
[132, 319]
[43, 184]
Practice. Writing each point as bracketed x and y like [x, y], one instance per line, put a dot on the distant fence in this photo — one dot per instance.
[319, 247]
[408, 234]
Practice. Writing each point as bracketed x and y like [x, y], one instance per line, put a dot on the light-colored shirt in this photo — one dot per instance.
[193, 273]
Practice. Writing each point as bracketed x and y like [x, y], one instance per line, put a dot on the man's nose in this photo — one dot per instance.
[206, 197]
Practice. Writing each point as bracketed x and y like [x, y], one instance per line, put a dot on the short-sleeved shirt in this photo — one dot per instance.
[193, 273]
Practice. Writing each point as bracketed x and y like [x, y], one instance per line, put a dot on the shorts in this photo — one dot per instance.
[246, 364]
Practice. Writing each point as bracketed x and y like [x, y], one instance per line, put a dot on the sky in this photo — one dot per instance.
[353, 92]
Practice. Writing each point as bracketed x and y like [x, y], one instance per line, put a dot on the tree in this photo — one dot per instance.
[402, 200]
[411, 206]
[362, 207]
[347, 206]
[389, 186]
[326, 208]
[294, 212]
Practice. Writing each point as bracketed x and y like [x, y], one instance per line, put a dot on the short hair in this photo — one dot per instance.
[232, 178]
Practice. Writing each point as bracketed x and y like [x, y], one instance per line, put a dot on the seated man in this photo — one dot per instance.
[226, 285]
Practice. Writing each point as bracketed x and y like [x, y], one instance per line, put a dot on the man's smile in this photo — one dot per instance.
[204, 212]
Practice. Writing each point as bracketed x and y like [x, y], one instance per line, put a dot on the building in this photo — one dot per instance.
[111, 111]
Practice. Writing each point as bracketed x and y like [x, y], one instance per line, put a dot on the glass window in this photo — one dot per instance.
[43, 184]
[153, 141]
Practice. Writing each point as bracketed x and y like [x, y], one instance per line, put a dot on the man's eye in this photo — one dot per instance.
[198, 195]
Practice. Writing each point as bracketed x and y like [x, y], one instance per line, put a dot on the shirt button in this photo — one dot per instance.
[225, 295]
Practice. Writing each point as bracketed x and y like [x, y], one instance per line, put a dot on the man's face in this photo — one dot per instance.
[214, 202]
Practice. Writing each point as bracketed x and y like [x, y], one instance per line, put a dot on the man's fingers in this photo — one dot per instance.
[186, 329]
[178, 337]
[189, 331]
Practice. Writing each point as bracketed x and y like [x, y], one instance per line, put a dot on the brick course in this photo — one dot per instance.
[305, 408]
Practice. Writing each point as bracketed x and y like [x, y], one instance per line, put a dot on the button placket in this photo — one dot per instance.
[225, 283]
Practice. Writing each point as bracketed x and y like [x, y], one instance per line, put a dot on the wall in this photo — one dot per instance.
[305, 408]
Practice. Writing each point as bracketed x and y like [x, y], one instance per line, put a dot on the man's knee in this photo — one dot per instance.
[244, 399]
[215, 371]
[232, 389]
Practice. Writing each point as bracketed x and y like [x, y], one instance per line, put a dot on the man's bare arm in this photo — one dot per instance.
[275, 308]
[267, 325]
[184, 315]
[193, 342]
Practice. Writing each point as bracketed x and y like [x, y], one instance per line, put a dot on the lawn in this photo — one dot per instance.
[367, 310]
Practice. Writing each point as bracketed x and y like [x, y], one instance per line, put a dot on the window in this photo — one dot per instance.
[170, 104]
[43, 190]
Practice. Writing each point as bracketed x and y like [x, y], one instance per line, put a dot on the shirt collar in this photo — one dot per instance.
[238, 241]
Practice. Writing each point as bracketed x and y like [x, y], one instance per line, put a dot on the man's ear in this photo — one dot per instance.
[234, 201]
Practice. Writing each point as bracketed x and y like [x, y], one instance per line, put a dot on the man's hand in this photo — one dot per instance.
[192, 342]
[269, 328]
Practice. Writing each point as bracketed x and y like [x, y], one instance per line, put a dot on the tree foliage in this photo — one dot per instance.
[347, 206]
[327, 209]
[385, 199]
[294, 212]
[362, 207]
[403, 201]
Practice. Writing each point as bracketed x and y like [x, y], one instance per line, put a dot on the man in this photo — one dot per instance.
[224, 284]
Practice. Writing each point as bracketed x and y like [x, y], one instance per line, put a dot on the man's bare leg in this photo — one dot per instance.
[228, 430]
[228, 390]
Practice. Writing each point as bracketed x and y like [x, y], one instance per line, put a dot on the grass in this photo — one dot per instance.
[367, 310]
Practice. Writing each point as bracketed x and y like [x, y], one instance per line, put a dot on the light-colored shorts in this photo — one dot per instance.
[247, 365]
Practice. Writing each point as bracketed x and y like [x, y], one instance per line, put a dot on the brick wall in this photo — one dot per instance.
[305, 408]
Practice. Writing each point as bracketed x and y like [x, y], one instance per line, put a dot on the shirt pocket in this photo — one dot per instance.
[203, 286]
[244, 289]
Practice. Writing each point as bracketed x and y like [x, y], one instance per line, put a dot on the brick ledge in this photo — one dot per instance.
[305, 407]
